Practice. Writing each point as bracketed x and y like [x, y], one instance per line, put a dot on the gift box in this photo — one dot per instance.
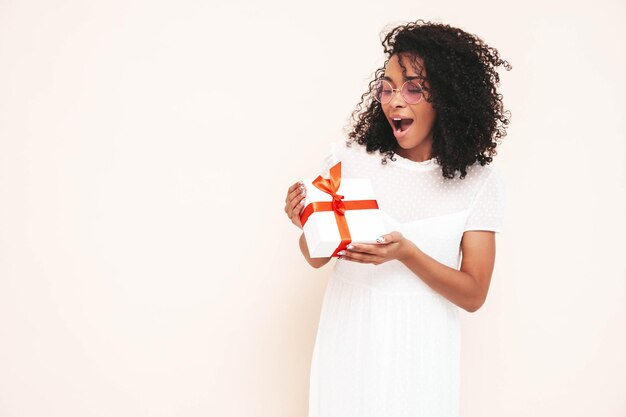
[339, 211]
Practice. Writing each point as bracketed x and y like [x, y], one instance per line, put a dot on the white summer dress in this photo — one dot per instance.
[387, 344]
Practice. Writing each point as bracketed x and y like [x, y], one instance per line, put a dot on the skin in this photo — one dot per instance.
[466, 287]
[417, 144]
[293, 209]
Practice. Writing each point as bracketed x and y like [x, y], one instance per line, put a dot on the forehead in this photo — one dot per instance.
[405, 65]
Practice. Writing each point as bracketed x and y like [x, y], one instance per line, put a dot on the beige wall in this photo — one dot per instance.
[147, 267]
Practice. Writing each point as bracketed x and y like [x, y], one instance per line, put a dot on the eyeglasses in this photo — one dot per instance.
[411, 91]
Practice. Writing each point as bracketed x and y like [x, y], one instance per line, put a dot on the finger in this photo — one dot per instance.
[292, 194]
[298, 192]
[291, 208]
[294, 190]
[297, 200]
[377, 251]
[361, 257]
[363, 248]
[388, 238]
[295, 185]
[297, 210]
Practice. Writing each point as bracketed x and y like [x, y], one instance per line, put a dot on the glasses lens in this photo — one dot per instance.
[411, 92]
[383, 91]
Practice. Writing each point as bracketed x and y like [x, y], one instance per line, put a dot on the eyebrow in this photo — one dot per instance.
[409, 78]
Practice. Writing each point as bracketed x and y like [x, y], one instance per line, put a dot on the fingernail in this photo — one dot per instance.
[341, 253]
[380, 239]
[350, 247]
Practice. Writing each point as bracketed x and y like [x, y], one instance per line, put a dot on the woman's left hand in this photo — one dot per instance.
[392, 246]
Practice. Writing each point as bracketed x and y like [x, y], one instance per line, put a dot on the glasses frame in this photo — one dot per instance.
[394, 90]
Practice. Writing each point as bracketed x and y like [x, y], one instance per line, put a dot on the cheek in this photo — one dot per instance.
[431, 115]
[425, 114]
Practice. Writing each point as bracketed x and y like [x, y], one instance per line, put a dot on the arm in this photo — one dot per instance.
[466, 287]
[293, 207]
[314, 262]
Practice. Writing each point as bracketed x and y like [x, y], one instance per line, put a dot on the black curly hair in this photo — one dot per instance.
[462, 80]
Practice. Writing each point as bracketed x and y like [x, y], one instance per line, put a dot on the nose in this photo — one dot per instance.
[397, 100]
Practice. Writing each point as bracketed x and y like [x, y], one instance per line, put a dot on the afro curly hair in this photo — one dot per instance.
[462, 80]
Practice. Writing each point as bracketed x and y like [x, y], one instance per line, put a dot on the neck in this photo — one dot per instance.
[416, 155]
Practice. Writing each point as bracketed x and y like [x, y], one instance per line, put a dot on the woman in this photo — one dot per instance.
[388, 342]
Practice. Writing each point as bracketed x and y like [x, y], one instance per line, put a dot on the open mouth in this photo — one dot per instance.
[401, 125]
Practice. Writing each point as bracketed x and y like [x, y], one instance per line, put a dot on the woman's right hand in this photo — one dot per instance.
[294, 202]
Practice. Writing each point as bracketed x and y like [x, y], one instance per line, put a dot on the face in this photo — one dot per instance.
[414, 132]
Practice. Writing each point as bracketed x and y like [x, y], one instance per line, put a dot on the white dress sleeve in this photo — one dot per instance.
[330, 159]
[487, 208]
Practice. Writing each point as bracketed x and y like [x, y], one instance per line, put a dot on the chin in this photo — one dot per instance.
[406, 143]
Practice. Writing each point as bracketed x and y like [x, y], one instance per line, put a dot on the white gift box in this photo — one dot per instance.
[321, 230]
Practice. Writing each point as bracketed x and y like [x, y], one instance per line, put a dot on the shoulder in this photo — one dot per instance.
[345, 145]
[479, 179]
[488, 181]
[345, 150]
[484, 173]
[356, 161]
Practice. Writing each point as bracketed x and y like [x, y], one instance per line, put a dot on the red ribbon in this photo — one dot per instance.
[337, 205]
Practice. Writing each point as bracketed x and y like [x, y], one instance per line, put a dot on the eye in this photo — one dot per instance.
[413, 88]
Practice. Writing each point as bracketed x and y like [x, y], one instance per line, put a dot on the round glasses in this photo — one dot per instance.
[411, 91]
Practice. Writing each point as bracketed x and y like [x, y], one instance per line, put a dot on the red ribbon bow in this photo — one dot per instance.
[337, 205]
